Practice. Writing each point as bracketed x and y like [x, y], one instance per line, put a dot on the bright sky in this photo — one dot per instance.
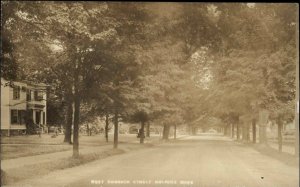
[56, 46]
[250, 5]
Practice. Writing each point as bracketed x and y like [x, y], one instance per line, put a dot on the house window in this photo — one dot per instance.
[21, 117]
[35, 95]
[38, 95]
[17, 117]
[14, 117]
[16, 92]
[28, 95]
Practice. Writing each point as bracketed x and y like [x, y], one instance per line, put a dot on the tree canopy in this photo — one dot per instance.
[175, 62]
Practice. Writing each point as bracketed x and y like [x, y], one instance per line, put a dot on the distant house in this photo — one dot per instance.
[19, 99]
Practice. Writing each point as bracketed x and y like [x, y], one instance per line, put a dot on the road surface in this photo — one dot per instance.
[195, 161]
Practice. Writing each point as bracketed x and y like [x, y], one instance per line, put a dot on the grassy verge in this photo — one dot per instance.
[286, 158]
[26, 172]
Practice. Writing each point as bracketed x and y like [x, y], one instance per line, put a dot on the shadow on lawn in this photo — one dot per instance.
[286, 158]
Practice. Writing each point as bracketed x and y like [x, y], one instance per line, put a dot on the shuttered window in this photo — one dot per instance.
[17, 117]
[28, 95]
[16, 92]
[14, 116]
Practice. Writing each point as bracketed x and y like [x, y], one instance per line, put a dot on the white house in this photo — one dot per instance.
[18, 98]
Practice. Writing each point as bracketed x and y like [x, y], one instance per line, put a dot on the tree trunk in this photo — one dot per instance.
[279, 125]
[116, 131]
[175, 128]
[76, 125]
[263, 119]
[193, 131]
[190, 129]
[248, 132]
[237, 131]
[227, 130]
[142, 132]
[262, 134]
[254, 130]
[148, 130]
[106, 126]
[88, 129]
[232, 130]
[76, 113]
[166, 131]
[68, 132]
[245, 129]
[243, 126]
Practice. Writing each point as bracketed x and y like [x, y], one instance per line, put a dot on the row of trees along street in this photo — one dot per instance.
[155, 63]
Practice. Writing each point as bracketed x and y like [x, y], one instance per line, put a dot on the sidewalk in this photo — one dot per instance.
[46, 139]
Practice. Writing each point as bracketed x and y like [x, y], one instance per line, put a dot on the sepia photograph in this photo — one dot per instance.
[149, 94]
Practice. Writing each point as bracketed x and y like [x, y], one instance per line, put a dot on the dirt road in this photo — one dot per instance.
[192, 161]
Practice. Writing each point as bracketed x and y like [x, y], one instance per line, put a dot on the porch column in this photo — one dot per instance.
[45, 118]
[41, 121]
[42, 118]
[34, 116]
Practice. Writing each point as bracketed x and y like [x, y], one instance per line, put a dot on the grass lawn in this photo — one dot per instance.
[15, 151]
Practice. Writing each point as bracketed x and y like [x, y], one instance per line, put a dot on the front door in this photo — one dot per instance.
[38, 117]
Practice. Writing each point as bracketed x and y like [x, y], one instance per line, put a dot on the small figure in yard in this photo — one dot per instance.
[38, 130]
[89, 128]
[139, 133]
[56, 131]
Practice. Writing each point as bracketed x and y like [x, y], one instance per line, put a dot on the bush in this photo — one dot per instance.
[31, 128]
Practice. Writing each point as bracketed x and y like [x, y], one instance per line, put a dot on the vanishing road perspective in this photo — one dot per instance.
[147, 94]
